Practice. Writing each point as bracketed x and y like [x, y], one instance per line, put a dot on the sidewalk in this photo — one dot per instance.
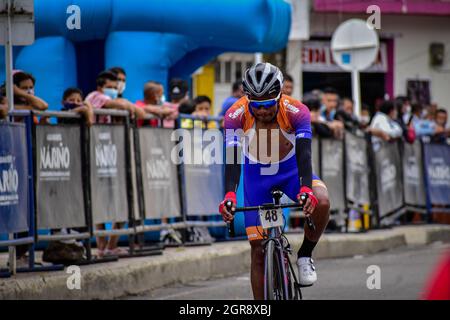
[186, 264]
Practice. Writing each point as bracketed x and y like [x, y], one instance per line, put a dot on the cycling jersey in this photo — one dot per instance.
[293, 118]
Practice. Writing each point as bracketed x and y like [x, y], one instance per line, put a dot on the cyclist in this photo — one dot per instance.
[262, 113]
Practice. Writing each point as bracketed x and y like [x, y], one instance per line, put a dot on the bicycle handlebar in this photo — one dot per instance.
[266, 206]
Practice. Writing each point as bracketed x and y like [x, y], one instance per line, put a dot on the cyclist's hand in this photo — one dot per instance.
[227, 216]
[311, 201]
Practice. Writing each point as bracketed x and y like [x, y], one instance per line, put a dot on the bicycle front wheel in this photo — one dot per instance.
[275, 286]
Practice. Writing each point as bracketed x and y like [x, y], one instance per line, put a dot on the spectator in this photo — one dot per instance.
[422, 127]
[346, 115]
[330, 100]
[430, 111]
[24, 94]
[403, 108]
[319, 126]
[202, 109]
[364, 118]
[236, 94]
[409, 133]
[106, 96]
[3, 103]
[25, 99]
[73, 101]
[384, 125]
[152, 103]
[187, 107]
[178, 91]
[121, 80]
[202, 106]
[441, 117]
[288, 85]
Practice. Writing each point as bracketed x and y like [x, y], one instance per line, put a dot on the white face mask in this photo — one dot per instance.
[30, 91]
[408, 109]
[163, 99]
[122, 85]
[364, 119]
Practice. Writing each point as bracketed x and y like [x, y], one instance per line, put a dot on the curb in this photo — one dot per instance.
[181, 265]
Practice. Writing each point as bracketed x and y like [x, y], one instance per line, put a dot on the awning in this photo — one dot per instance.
[413, 7]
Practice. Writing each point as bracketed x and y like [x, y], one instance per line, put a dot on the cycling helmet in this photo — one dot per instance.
[262, 81]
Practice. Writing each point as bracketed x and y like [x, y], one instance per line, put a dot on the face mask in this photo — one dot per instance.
[112, 93]
[408, 109]
[122, 86]
[70, 105]
[30, 91]
[365, 119]
[163, 99]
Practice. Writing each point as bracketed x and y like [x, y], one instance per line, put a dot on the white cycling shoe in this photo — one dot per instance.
[306, 271]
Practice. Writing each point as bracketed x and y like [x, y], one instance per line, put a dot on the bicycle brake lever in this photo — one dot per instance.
[230, 225]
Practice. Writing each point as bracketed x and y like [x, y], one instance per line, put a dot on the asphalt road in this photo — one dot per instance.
[403, 273]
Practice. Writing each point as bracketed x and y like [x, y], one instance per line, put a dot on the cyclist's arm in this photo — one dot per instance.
[303, 155]
[232, 168]
[301, 122]
[233, 148]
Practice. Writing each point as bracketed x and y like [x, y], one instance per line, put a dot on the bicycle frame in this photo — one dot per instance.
[276, 236]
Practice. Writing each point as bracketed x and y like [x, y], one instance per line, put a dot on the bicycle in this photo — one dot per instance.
[280, 281]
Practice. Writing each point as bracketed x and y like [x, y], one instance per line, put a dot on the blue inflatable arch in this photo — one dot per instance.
[151, 39]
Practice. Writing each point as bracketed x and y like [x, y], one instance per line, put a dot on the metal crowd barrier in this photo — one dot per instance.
[17, 202]
[62, 187]
[79, 177]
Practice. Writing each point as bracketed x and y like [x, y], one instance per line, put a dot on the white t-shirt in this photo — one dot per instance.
[384, 123]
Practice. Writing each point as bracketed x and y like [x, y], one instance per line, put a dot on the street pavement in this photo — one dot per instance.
[403, 270]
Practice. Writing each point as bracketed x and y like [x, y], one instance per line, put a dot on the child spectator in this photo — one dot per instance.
[107, 96]
[73, 101]
[202, 109]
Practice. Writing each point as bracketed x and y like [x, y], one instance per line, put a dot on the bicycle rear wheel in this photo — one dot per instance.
[275, 288]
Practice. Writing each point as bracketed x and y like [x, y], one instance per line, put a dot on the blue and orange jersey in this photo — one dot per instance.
[293, 118]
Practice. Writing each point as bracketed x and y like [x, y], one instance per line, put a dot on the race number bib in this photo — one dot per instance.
[271, 218]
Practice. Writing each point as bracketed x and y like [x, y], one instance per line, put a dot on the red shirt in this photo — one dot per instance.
[140, 122]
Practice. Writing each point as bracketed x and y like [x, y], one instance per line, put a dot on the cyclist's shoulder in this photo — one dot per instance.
[294, 109]
[236, 112]
[293, 105]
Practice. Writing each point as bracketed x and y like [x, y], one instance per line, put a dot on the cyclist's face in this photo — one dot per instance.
[265, 114]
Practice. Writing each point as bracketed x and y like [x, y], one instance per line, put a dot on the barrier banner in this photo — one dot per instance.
[388, 166]
[159, 174]
[108, 174]
[437, 166]
[357, 173]
[332, 172]
[14, 201]
[315, 155]
[59, 187]
[413, 179]
[136, 213]
[203, 171]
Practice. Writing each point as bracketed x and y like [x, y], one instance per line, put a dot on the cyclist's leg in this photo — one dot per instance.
[256, 192]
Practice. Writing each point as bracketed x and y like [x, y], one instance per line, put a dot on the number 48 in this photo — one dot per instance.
[271, 215]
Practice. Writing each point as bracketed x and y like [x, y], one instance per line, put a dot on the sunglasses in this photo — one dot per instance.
[263, 104]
